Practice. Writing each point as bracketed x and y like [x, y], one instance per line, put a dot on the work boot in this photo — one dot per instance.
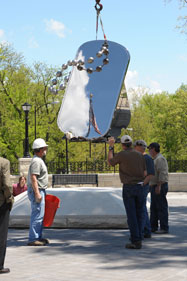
[45, 240]
[147, 235]
[4, 270]
[161, 231]
[154, 230]
[36, 243]
[134, 245]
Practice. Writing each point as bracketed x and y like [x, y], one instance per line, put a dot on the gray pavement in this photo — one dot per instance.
[90, 254]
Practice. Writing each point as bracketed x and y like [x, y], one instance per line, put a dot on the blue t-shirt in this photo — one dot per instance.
[149, 165]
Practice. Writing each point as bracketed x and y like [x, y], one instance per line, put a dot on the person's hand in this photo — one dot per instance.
[157, 189]
[111, 141]
[10, 202]
[9, 206]
[38, 197]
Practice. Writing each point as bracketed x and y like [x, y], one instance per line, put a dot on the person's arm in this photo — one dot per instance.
[111, 142]
[162, 170]
[150, 170]
[38, 196]
[158, 188]
[147, 179]
[7, 187]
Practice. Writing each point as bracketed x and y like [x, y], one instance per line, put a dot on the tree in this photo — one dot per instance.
[160, 117]
[182, 19]
[14, 80]
[163, 118]
[18, 84]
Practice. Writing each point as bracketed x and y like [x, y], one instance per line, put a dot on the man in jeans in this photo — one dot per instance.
[140, 145]
[6, 201]
[37, 184]
[159, 189]
[132, 171]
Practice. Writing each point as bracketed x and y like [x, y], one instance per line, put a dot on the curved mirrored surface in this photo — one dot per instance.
[90, 100]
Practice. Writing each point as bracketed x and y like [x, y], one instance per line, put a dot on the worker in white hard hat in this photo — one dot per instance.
[37, 183]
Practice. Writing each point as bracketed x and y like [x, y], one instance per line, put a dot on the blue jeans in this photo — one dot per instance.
[37, 215]
[159, 208]
[133, 198]
[146, 226]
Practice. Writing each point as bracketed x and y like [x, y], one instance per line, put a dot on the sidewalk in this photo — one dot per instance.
[90, 255]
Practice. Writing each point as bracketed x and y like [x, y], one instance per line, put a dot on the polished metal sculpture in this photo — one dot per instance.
[93, 106]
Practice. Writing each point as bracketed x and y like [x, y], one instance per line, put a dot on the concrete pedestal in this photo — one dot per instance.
[80, 207]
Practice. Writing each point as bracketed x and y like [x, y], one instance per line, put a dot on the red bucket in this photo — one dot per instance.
[52, 203]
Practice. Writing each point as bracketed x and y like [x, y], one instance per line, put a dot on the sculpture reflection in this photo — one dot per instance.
[92, 119]
[90, 102]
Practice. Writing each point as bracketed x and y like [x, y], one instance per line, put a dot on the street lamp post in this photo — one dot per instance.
[67, 159]
[26, 107]
[35, 122]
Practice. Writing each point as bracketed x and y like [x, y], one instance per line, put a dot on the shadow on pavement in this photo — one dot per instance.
[109, 244]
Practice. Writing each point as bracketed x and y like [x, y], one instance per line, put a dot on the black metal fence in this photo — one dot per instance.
[98, 166]
[101, 166]
[177, 166]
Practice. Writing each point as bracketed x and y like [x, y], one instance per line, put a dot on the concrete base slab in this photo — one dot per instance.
[80, 207]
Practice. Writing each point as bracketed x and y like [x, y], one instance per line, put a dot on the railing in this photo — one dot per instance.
[179, 166]
[98, 166]
[101, 166]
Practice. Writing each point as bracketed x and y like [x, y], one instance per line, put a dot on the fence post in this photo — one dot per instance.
[169, 162]
[86, 167]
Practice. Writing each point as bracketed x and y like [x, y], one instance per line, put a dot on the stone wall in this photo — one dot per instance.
[177, 181]
[24, 166]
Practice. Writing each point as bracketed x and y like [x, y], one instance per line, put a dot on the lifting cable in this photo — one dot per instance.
[98, 8]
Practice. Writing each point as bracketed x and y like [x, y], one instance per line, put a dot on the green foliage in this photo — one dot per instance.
[161, 117]
[20, 84]
[182, 26]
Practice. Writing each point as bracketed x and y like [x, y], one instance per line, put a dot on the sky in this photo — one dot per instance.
[52, 31]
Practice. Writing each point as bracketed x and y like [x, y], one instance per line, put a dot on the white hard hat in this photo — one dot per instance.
[126, 139]
[39, 143]
[140, 143]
